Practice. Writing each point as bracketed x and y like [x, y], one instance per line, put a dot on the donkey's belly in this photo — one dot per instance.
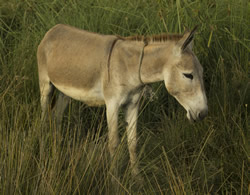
[92, 97]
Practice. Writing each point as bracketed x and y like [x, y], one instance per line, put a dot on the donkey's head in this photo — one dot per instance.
[184, 78]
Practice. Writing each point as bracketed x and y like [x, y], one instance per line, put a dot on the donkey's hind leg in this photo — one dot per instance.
[61, 104]
[46, 90]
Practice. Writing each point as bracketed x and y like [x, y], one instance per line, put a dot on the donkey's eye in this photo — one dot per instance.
[190, 76]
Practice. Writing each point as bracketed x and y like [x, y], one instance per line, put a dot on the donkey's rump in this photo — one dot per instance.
[74, 60]
[75, 57]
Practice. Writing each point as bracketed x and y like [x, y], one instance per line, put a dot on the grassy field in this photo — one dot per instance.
[175, 156]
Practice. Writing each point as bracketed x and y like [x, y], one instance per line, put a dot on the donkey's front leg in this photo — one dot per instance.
[112, 119]
[131, 119]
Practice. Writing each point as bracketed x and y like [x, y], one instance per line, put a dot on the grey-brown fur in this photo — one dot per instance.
[111, 70]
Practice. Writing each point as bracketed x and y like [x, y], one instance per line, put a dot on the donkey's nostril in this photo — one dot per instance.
[202, 114]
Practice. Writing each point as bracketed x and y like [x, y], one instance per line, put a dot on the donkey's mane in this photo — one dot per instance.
[154, 38]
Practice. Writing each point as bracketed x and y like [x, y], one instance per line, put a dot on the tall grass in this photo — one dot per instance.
[175, 157]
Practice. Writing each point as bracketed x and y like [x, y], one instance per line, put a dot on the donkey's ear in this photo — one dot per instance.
[187, 39]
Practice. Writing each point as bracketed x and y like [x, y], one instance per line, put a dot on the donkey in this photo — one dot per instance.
[113, 70]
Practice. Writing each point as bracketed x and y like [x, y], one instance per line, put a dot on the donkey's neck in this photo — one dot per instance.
[154, 60]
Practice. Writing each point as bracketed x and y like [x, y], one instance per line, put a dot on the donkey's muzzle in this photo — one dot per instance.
[202, 114]
[198, 116]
